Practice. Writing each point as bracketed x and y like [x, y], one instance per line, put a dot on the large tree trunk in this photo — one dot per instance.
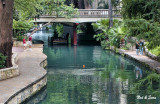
[6, 20]
[87, 5]
[110, 13]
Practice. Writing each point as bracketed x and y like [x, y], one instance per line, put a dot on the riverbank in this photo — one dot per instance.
[31, 79]
[143, 59]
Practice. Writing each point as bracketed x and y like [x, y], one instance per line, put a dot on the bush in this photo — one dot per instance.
[19, 38]
[156, 51]
[2, 60]
[59, 29]
[105, 44]
[116, 41]
[127, 47]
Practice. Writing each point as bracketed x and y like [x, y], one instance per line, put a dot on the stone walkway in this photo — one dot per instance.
[30, 71]
[143, 59]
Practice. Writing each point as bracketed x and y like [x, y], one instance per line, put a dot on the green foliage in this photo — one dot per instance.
[147, 9]
[150, 84]
[26, 10]
[60, 8]
[31, 8]
[21, 27]
[81, 28]
[19, 38]
[99, 37]
[142, 20]
[127, 47]
[113, 34]
[2, 60]
[156, 51]
[59, 29]
[23, 13]
[103, 24]
[144, 29]
[24, 25]
[105, 44]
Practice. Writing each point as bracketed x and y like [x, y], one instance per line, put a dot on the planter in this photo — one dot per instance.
[12, 71]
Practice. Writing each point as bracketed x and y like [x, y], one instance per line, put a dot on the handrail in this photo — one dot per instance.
[89, 13]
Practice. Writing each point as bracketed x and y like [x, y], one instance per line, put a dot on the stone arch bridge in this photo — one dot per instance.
[85, 16]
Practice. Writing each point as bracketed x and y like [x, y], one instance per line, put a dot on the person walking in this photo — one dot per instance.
[30, 43]
[141, 44]
[137, 48]
[24, 43]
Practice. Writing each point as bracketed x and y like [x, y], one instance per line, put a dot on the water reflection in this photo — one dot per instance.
[138, 72]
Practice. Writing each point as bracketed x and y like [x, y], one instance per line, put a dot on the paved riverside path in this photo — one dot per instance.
[30, 71]
[153, 64]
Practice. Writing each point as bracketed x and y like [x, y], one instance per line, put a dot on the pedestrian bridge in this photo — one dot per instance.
[85, 15]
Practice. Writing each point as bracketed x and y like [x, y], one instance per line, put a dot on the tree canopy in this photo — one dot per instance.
[146, 9]
[142, 19]
[25, 11]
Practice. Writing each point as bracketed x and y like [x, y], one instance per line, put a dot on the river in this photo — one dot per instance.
[87, 74]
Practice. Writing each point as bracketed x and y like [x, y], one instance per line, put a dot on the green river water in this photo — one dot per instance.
[107, 78]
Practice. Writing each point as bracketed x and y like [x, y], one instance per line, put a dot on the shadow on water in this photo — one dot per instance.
[86, 74]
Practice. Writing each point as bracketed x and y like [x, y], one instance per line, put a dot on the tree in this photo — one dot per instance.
[61, 9]
[142, 19]
[24, 12]
[146, 9]
[109, 36]
[110, 14]
[30, 8]
[6, 20]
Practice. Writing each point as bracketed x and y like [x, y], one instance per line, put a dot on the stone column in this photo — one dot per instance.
[74, 34]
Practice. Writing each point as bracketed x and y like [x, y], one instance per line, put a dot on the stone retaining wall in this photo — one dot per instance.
[43, 63]
[29, 90]
[38, 97]
[122, 52]
[10, 72]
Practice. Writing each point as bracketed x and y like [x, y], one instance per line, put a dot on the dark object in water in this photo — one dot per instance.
[37, 41]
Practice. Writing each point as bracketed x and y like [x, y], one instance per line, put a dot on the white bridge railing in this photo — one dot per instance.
[89, 13]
